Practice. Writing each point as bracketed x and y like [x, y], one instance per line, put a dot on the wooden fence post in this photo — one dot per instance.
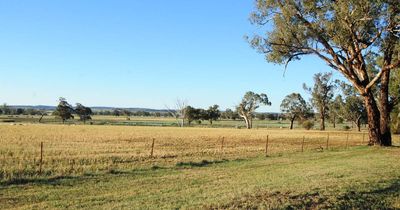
[327, 142]
[266, 146]
[41, 158]
[152, 148]
[302, 144]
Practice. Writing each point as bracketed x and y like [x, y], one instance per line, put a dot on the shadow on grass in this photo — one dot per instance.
[70, 180]
[202, 163]
[49, 181]
[381, 198]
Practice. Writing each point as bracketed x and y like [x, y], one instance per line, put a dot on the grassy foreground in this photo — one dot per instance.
[361, 177]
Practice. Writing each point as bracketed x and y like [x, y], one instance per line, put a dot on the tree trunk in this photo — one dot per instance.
[386, 139]
[374, 131]
[358, 123]
[247, 121]
[291, 123]
[322, 119]
[334, 121]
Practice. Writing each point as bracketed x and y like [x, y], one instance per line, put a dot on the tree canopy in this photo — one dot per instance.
[322, 93]
[250, 102]
[64, 110]
[294, 106]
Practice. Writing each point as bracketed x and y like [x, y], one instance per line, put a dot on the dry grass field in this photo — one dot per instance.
[88, 166]
[80, 149]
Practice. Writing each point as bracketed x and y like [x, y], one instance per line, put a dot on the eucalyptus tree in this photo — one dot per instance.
[347, 36]
[250, 102]
[64, 110]
[83, 112]
[294, 106]
[213, 113]
[334, 109]
[321, 95]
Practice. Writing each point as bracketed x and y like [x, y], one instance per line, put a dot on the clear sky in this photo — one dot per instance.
[137, 53]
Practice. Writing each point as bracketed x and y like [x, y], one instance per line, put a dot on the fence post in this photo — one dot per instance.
[327, 142]
[302, 144]
[41, 158]
[152, 148]
[347, 140]
[266, 146]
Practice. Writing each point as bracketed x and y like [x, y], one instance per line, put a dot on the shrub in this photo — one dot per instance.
[308, 124]
[346, 127]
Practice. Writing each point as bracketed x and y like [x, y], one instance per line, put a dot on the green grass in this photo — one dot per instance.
[361, 177]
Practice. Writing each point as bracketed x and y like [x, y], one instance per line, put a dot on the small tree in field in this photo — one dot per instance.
[64, 110]
[250, 102]
[294, 106]
[178, 112]
[334, 109]
[213, 113]
[83, 112]
[321, 95]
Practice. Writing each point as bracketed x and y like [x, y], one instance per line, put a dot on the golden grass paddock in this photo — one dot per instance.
[74, 150]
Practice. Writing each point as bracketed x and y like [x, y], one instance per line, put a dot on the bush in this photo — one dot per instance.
[308, 124]
[346, 127]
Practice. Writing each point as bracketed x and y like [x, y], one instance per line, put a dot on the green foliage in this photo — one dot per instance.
[294, 106]
[83, 112]
[229, 114]
[352, 108]
[308, 124]
[334, 109]
[313, 27]
[193, 114]
[261, 116]
[396, 121]
[321, 94]
[213, 113]
[64, 110]
[6, 109]
[349, 36]
[250, 102]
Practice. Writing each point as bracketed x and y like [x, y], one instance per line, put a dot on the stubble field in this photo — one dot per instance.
[97, 158]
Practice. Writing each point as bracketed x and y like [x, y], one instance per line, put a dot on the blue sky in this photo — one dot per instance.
[137, 54]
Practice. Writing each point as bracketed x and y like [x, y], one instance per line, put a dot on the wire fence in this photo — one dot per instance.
[61, 158]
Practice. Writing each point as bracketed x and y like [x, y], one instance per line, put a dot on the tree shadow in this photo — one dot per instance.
[380, 198]
[47, 181]
[374, 199]
[202, 163]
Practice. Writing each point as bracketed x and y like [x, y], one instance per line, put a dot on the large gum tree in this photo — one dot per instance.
[350, 36]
